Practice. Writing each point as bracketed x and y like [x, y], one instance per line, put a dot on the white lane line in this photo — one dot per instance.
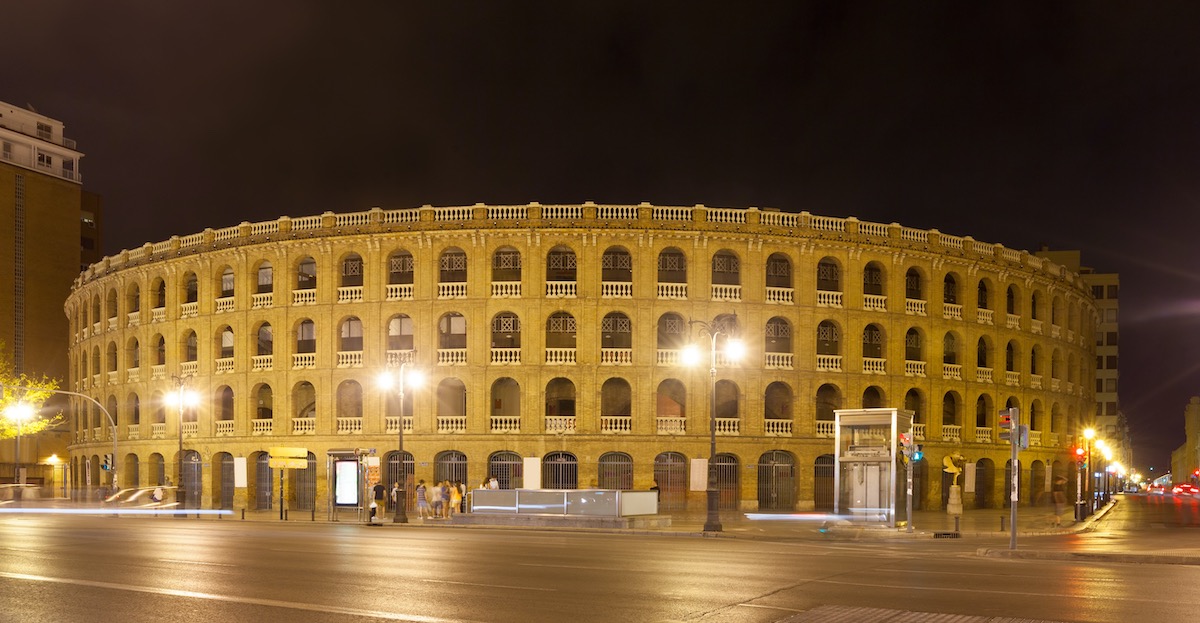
[272, 603]
[195, 562]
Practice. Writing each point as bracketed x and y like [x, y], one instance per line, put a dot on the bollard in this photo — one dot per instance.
[956, 518]
[1002, 523]
[243, 514]
[314, 514]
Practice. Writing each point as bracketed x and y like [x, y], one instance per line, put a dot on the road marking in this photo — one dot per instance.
[196, 562]
[272, 603]
[979, 590]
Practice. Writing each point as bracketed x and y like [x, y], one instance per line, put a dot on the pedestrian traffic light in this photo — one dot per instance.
[108, 462]
[918, 452]
[906, 446]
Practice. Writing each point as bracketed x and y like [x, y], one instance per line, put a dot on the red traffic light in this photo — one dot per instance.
[1079, 452]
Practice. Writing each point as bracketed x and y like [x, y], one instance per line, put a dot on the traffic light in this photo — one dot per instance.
[906, 445]
[918, 452]
[1080, 457]
[1008, 422]
[108, 463]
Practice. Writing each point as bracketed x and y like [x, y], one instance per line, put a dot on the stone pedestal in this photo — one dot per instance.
[954, 504]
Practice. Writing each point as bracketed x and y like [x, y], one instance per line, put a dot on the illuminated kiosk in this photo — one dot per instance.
[870, 479]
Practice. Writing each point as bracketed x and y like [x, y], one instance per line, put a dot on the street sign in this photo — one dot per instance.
[280, 452]
[287, 463]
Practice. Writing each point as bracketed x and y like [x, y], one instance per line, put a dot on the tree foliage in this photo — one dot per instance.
[32, 390]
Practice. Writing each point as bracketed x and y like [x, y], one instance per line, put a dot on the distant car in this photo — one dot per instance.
[1156, 489]
[142, 497]
[1185, 489]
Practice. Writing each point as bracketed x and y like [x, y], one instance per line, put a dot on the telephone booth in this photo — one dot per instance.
[871, 479]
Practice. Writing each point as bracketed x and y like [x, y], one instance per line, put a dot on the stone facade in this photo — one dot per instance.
[557, 331]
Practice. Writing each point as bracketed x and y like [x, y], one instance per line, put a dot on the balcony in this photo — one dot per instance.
[952, 371]
[350, 359]
[983, 434]
[505, 424]
[350, 294]
[112, 377]
[560, 356]
[397, 357]
[984, 316]
[262, 362]
[672, 425]
[781, 296]
[304, 425]
[915, 307]
[616, 424]
[261, 426]
[304, 297]
[1035, 437]
[262, 300]
[506, 356]
[1055, 330]
[1035, 381]
[672, 291]
[777, 428]
[1035, 327]
[826, 428]
[914, 368]
[1012, 321]
[616, 356]
[983, 375]
[729, 426]
[560, 289]
[874, 365]
[874, 302]
[189, 310]
[616, 290]
[560, 424]
[391, 422]
[112, 324]
[224, 365]
[1012, 378]
[668, 357]
[304, 361]
[158, 430]
[189, 368]
[726, 293]
[133, 432]
[506, 289]
[452, 357]
[918, 431]
[950, 311]
[826, 298]
[224, 304]
[829, 363]
[399, 292]
[452, 290]
[778, 361]
[349, 426]
[134, 318]
[224, 428]
[951, 432]
[191, 429]
[158, 314]
[451, 424]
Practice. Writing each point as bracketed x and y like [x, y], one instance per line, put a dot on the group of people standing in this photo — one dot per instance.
[441, 500]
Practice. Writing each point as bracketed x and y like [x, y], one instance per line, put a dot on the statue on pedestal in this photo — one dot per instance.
[951, 466]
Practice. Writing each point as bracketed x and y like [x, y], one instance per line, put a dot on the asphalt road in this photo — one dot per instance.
[57, 568]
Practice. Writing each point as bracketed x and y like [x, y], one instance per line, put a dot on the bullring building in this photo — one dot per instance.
[556, 332]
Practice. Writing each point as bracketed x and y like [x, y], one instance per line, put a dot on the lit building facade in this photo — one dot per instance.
[555, 331]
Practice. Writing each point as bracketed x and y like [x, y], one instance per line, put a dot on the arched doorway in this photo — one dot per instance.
[823, 493]
[560, 470]
[776, 481]
[671, 474]
[508, 468]
[450, 465]
[729, 486]
[985, 483]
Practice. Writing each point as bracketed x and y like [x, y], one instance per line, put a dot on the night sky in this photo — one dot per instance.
[1069, 124]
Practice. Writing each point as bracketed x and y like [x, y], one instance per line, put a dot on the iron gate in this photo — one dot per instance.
[985, 478]
[729, 485]
[776, 481]
[224, 492]
[508, 468]
[191, 479]
[560, 470]
[304, 486]
[450, 465]
[671, 474]
[132, 472]
[391, 476]
[616, 471]
[262, 482]
[823, 493]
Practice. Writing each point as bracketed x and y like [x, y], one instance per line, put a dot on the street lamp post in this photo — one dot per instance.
[1088, 435]
[183, 398]
[18, 413]
[712, 521]
[401, 380]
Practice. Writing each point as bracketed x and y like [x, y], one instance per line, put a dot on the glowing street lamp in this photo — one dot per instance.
[1088, 435]
[399, 380]
[183, 398]
[18, 412]
[692, 355]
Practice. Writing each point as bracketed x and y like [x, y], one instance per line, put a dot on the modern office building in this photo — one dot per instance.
[41, 203]
[557, 333]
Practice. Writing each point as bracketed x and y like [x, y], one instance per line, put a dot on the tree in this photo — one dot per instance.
[31, 390]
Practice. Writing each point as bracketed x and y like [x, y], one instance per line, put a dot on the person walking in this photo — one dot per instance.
[435, 499]
[1058, 492]
[446, 498]
[456, 499]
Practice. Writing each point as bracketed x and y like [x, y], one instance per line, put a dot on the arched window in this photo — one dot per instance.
[873, 279]
[726, 268]
[616, 268]
[777, 402]
[949, 349]
[400, 268]
[872, 341]
[672, 274]
[950, 290]
[265, 341]
[452, 331]
[225, 403]
[352, 271]
[266, 279]
[452, 266]
[306, 274]
[829, 275]
[914, 288]
[351, 335]
[400, 333]
[828, 339]
[671, 333]
[506, 331]
[506, 266]
[225, 343]
[616, 332]
[912, 346]
[306, 337]
[227, 282]
[191, 288]
[561, 331]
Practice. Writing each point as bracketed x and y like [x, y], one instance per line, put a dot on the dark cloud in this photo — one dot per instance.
[1069, 123]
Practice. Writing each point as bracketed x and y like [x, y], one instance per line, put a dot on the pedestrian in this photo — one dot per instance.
[378, 491]
[447, 496]
[435, 499]
[422, 501]
[1060, 499]
[462, 490]
[456, 498]
[395, 493]
[493, 483]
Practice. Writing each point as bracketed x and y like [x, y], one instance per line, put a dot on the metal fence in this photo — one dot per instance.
[671, 475]
[560, 470]
[776, 481]
[615, 471]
